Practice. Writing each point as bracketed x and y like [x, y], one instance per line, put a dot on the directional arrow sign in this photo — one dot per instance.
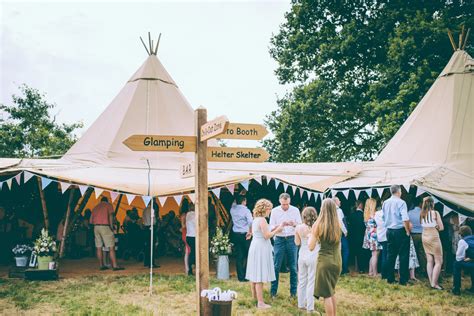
[244, 131]
[236, 154]
[214, 128]
[161, 143]
[187, 170]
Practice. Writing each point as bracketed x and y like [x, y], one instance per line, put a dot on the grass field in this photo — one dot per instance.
[174, 295]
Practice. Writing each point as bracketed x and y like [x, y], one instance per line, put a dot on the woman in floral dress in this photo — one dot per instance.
[370, 238]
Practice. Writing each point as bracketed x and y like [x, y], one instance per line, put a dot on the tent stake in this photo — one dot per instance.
[66, 224]
[43, 204]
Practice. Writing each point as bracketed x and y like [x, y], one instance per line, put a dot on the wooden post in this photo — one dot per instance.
[66, 223]
[117, 207]
[43, 204]
[202, 236]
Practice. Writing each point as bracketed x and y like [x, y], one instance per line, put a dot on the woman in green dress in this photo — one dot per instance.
[327, 232]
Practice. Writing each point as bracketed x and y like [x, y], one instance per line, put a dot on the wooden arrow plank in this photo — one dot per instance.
[161, 143]
[244, 131]
[237, 154]
[214, 128]
[187, 170]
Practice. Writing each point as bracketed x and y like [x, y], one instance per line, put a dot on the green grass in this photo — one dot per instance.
[174, 295]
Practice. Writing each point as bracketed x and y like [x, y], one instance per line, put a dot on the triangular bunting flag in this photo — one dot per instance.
[231, 188]
[419, 191]
[407, 187]
[146, 199]
[277, 183]
[301, 192]
[217, 192]
[64, 186]
[357, 194]
[245, 184]
[333, 193]
[162, 200]
[9, 183]
[18, 178]
[98, 192]
[446, 210]
[293, 189]
[462, 219]
[83, 189]
[113, 195]
[130, 198]
[178, 199]
[380, 192]
[369, 192]
[285, 186]
[345, 193]
[28, 176]
[192, 197]
[258, 179]
[44, 182]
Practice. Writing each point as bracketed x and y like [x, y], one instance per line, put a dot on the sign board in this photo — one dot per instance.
[244, 131]
[214, 128]
[187, 170]
[236, 154]
[161, 143]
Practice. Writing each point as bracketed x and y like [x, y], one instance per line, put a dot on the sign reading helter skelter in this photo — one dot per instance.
[218, 128]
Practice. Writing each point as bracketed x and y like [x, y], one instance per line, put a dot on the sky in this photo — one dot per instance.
[82, 53]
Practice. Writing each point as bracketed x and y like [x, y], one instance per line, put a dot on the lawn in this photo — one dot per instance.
[174, 295]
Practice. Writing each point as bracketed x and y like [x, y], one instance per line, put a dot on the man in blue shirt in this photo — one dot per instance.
[397, 222]
[417, 229]
[241, 230]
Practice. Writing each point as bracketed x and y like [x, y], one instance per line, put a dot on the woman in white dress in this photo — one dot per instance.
[306, 260]
[260, 268]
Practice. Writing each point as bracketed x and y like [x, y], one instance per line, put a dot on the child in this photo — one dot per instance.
[464, 259]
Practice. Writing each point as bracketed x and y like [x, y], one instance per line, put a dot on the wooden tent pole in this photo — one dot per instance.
[117, 207]
[81, 204]
[66, 224]
[43, 204]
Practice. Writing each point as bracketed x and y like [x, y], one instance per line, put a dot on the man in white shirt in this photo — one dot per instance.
[344, 241]
[464, 259]
[285, 241]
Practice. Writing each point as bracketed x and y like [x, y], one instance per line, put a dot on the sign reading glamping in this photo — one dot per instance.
[161, 143]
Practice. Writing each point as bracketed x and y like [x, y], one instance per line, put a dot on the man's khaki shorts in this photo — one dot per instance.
[104, 236]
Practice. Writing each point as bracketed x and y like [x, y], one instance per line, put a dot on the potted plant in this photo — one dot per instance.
[45, 248]
[221, 247]
[22, 254]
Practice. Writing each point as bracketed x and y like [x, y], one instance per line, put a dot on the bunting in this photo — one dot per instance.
[83, 189]
[231, 188]
[245, 184]
[113, 195]
[162, 200]
[192, 197]
[419, 191]
[277, 183]
[44, 182]
[146, 200]
[18, 178]
[130, 198]
[285, 186]
[346, 193]
[98, 192]
[27, 176]
[380, 191]
[258, 179]
[9, 183]
[178, 199]
[217, 192]
[369, 192]
[64, 186]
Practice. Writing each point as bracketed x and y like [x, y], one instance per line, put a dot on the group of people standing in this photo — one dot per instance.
[390, 233]
[314, 271]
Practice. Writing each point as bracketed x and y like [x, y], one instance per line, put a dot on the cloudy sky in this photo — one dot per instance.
[82, 53]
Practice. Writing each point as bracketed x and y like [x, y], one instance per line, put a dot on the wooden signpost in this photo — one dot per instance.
[217, 128]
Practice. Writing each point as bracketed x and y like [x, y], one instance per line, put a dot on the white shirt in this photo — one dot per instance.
[191, 224]
[278, 216]
[241, 218]
[340, 215]
[381, 230]
[461, 252]
[146, 217]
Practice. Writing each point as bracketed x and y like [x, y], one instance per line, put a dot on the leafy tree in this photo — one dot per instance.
[28, 130]
[358, 69]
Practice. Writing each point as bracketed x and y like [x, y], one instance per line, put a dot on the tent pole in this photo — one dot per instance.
[152, 262]
[117, 207]
[43, 204]
[66, 224]
[81, 204]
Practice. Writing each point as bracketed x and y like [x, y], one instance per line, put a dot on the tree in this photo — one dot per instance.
[358, 69]
[28, 130]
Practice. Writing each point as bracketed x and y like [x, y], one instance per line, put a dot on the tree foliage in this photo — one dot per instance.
[28, 130]
[358, 69]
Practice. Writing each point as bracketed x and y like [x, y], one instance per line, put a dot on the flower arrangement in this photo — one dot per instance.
[22, 250]
[220, 244]
[45, 245]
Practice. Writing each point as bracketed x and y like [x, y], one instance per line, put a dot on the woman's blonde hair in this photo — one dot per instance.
[309, 215]
[261, 207]
[428, 205]
[327, 227]
[369, 209]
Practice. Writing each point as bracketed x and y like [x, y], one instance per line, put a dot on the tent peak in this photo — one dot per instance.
[463, 37]
[151, 49]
